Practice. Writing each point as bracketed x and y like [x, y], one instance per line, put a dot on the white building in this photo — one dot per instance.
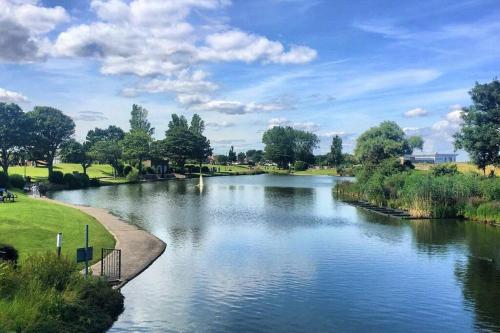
[435, 158]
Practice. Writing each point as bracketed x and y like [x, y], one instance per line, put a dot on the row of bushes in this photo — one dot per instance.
[16, 181]
[445, 193]
[48, 294]
[72, 180]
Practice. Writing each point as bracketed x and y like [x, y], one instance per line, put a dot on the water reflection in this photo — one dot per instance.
[264, 253]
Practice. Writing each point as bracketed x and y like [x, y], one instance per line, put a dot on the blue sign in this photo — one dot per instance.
[82, 255]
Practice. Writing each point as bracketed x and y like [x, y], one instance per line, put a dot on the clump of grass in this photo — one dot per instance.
[48, 294]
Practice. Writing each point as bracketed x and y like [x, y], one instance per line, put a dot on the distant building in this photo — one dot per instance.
[435, 158]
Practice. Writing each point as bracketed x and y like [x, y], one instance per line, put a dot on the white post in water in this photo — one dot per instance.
[59, 244]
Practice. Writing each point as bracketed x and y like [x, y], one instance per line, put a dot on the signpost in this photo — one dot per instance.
[85, 254]
[59, 244]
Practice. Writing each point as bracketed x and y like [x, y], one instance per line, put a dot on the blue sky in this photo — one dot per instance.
[331, 67]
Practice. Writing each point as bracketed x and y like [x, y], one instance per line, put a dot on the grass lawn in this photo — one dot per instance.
[232, 168]
[31, 226]
[101, 171]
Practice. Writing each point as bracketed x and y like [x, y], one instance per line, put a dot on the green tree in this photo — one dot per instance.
[335, 157]
[231, 155]
[14, 129]
[304, 144]
[221, 159]
[136, 147]
[73, 151]
[197, 125]
[139, 120]
[51, 128]
[107, 151]
[381, 142]
[179, 141]
[279, 145]
[255, 156]
[416, 142]
[111, 133]
[201, 149]
[241, 157]
[480, 131]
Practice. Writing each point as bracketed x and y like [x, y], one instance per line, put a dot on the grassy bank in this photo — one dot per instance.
[31, 226]
[48, 294]
[425, 194]
[102, 171]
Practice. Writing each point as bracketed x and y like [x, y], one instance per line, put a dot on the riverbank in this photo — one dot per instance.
[139, 249]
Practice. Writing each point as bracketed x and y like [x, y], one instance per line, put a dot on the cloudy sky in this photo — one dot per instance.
[328, 66]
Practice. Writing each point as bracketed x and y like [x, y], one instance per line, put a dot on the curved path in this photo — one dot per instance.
[139, 248]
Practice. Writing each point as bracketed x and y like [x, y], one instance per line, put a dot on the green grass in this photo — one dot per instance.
[31, 226]
[463, 167]
[316, 172]
[101, 171]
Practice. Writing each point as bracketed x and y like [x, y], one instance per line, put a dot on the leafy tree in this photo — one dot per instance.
[73, 151]
[335, 157]
[201, 145]
[139, 120]
[381, 142]
[304, 144]
[179, 141]
[279, 143]
[197, 125]
[255, 156]
[111, 133]
[231, 155]
[241, 157]
[480, 131]
[51, 128]
[14, 127]
[107, 151]
[416, 142]
[136, 146]
[221, 159]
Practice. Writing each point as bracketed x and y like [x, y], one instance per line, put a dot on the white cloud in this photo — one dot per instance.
[90, 116]
[439, 136]
[23, 26]
[308, 126]
[417, 112]
[219, 124]
[238, 108]
[341, 134]
[12, 96]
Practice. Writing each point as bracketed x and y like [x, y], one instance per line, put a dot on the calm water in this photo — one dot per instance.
[279, 253]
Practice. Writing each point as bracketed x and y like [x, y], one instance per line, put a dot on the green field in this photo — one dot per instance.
[31, 226]
[101, 171]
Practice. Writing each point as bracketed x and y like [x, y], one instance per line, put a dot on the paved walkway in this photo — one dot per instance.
[139, 248]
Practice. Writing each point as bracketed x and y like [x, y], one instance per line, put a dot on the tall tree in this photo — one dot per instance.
[197, 125]
[201, 145]
[111, 133]
[280, 145]
[231, 155]
[14, 129]
[241, 157]
[480, 131]
[139, 120]
[51, 128]
[136, 146]
[335, 157]
[381, 142]
[107, 151]
[179, 141]
[73, 151]
[304, 144]
[255, 156]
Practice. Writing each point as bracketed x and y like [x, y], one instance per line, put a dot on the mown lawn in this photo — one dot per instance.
[101, 171]
[31, 226]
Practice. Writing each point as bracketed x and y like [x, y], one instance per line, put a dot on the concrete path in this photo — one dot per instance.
[139, 248]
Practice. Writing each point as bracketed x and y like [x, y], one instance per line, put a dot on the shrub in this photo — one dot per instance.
[4, 179]
[8, 253]
[48, 294]
[444, 169]
[56, 177]
[300, 166]
[17, 181]
[71, 181]
[205, 169]
[119, 169]
[126, 170]
[94, 182]
[133, 176]
[150, 170]
[83, 179]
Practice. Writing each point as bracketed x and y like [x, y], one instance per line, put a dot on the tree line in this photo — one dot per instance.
[46, 132]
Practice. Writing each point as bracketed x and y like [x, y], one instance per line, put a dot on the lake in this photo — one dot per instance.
[279, 253]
